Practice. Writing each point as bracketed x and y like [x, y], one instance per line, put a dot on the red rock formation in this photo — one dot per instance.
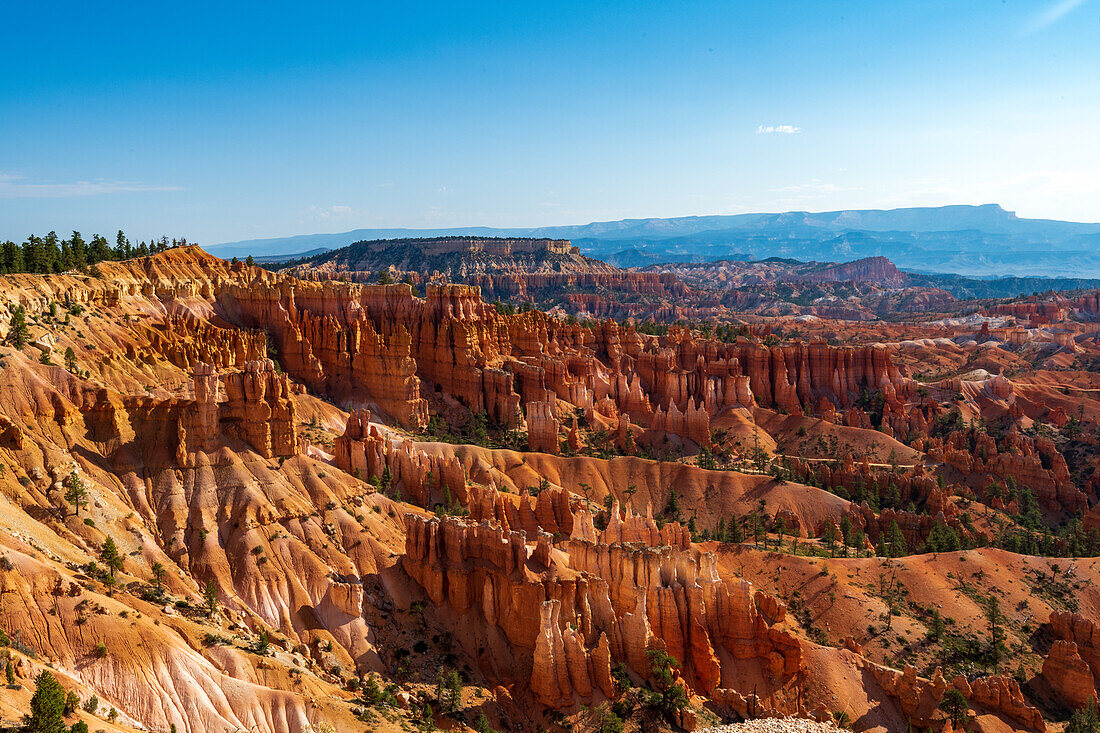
[551, 510]
[631, 528]
[542, 428]
[793, 377]
[1069, 674]
[693, 423]
[387, 343]
[257, 409]
[1032, 462]
[416, 476]
[1002, 694]
[1073, 665]
[919, 698]
[635, 598]
[325, 340]
[1031, 309]
[186, 341]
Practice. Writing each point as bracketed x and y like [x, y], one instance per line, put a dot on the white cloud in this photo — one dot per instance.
[1051, 15]
[323, 213]
[777, 129]
[16, 186]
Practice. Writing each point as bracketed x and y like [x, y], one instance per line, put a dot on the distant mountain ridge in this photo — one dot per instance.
[977, 241]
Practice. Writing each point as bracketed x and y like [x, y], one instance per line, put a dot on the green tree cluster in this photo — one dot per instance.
[52, 254]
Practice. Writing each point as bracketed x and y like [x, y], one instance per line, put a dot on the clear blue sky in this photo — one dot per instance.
[236, 120]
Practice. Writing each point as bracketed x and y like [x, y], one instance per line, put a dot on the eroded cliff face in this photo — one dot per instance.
[256, 409]
[577, 605]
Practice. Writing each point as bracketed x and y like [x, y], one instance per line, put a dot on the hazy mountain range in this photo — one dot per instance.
[976, 241]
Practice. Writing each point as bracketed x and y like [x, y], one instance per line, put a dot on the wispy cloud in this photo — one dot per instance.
[813, 194]
[1051, 15]
[324, 213]
[16, 186]
[777, 129]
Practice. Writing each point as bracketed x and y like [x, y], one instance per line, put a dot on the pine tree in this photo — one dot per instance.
[996, 632]
[263, 643]
[954, 703]
[1085, 720]
[448, 691]
[75, 493]
[671, 696]
[72, 702]
[159, 574]
[79, 250]
[210, 598]
[18, 333]
[122, 246]
[672, 509]
[734, 532]
[110, 556]
[47, 706]
[936, 631]
[607, 721]
[895, 542]
[70, 360]
[99, 251]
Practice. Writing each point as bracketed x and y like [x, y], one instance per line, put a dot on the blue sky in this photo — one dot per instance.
[236, 120]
